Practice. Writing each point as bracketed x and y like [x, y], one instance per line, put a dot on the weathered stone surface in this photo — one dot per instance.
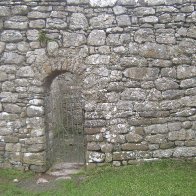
[52, 48]
[185, 71]
[153, 50]
[102, 3]
[159, 128]
[35, 158]
[73, 39]
[144, 11]
[55, 23]
[166, 84]
[37, 24]
[141, 73]
[187, 83]
[12, 108]
[32, 35]
[144, 35]
[185, 152]
[177, 135]
[102, 21]
[134, 94]
[20, 10]
[37, 14]
[149, 19]
[4, 11]
[78, 21]
[16, 22]
[165, 36]
[163, 153]
[156, 139]
[33, 111]
[12, 58]
[96, 157]
[96, 38]
[11, 36]
[25, 72]
[128, 146]
[133, 61]
[98, 59]
[132, 137]
[123, 20]
[187, 46]
[119, 10]
[106, 148]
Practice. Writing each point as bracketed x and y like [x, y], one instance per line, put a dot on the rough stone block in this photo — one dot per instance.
[11, 36]
[155, 129]
[96, 38]
[96, 157]
[98, 59]
[73, 39]
[166, 84]
[185, 152]
[119, 10]
[149, 19]
[78, 21]
[37, 15]
[107, 148]
[4, 11]
[37, 24]
[177, 135]
[25, 72]
[35, 111]
[165, 36]
[16, 22]
[185, 71]
[156, 139]
[163, 153]
[141, 73]
[144, 11]
[128, 146]
[55, 23]
[102, 21]
[35, 158]
[133, 138]
[123, 20]
[153, 50]
[133, 61]
[144, 35]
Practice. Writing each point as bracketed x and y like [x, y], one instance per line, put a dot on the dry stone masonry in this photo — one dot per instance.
[137, 61]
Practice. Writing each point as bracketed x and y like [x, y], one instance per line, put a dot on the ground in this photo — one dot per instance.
[156, 178]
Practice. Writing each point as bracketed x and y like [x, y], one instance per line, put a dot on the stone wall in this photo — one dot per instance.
[137, 61]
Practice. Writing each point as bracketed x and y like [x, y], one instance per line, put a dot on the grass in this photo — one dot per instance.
[165, 178]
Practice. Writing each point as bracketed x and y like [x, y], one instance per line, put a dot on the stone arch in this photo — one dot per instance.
[64, 118]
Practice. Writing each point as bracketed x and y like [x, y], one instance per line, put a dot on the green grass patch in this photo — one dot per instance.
[165, 178]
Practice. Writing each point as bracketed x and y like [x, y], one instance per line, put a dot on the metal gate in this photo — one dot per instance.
[65, 117]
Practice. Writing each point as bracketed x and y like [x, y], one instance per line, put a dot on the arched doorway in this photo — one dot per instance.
[65, 119]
